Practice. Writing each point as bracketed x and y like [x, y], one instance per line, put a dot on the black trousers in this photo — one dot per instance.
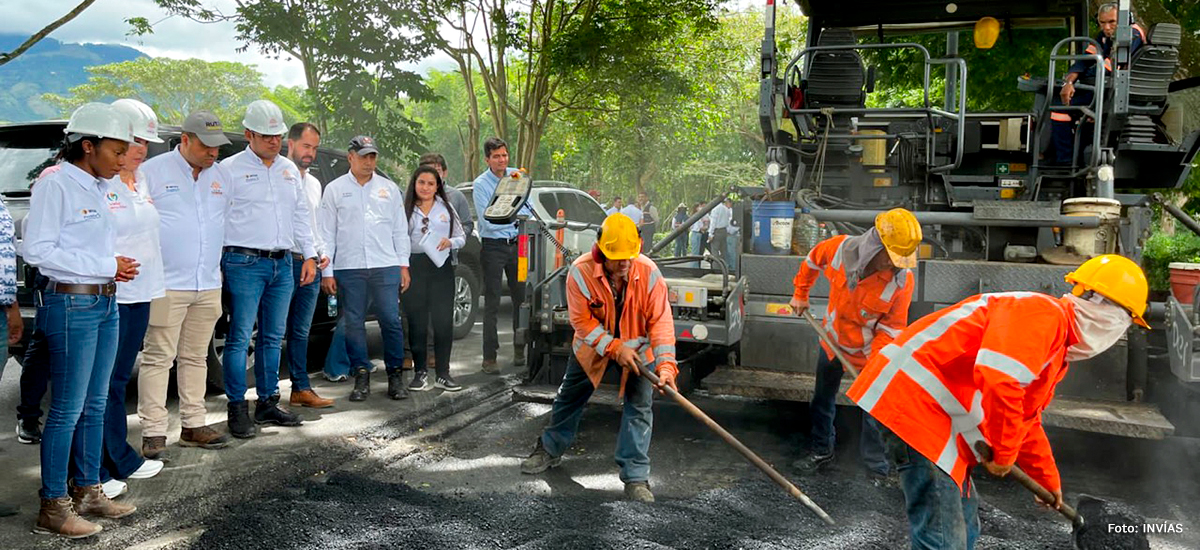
[430, 301]
[499, 257]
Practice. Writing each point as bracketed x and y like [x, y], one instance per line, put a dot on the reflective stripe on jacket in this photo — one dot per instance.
[982, 369]
[864, 319]
[647, 316]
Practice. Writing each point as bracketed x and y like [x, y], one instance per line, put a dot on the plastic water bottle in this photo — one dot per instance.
[331, 306]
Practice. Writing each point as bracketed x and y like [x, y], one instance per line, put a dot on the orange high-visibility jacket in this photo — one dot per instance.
[865, 319]
[980, 370]
[647, 316]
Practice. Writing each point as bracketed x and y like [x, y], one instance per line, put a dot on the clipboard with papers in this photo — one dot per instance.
[429, 246]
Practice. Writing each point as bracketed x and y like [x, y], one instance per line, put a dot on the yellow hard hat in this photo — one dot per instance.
[1117, 278]
[618, 238]
[901, 234]
[987, 30]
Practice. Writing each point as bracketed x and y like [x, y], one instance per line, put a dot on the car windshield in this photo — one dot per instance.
[19, 165]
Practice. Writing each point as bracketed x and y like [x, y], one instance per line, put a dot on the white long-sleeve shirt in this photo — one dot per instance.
[137, 225]
[267, 205]
[363, 226]
[312, 192]
[70, 236]
[721, 217]
[439, 224]
[191, 215]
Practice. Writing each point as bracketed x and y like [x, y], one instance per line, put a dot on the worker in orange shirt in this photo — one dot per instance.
[870, 288]
[983, 370]
[617, 301]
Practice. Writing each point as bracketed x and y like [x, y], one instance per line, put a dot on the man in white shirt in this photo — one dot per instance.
[267, 217]
[649, 222]
[365, 230]
[189, 191]
[303, 140]
[718, 229]
[633, 212]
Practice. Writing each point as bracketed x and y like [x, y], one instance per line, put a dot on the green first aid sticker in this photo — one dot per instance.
[1002, 168]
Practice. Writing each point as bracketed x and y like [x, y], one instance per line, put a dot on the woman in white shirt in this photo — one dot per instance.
[136, 221]
[434, 231]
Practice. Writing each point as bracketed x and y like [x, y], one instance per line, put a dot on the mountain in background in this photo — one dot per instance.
[49, 66]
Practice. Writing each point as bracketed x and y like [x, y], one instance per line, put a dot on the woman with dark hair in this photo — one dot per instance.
[434, 230]
[71, 239]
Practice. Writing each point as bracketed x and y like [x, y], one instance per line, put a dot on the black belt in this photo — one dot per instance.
[105, 289]
[505, 241]
[298, 257]
[272, 254]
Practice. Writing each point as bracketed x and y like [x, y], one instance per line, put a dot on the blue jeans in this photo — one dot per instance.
[82, 333]
[824, 408]
[337, 361]
[941, 515]
[681, 246]
[1063, 132]
[637, 420]
[299, 321]
[696, 242]
[732, 247]
[120, 459]
[259, 288]
[380, 288]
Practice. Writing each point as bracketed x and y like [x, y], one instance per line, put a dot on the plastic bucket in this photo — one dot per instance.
[1093, 242]
[1184, 278]
[773, 222]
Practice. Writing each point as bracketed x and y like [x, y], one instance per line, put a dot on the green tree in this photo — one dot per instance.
[170, 87]
[354, 56]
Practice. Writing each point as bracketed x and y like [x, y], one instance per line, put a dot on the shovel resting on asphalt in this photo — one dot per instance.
[733, 442]
[1086, 536]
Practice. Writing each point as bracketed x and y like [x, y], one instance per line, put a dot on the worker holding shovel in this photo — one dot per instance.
[617, 300]
[870, 288]
[982, 371]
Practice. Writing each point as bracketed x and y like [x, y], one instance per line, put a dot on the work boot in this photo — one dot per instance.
[269, 412]
[58, 517]
[204, 437]
[539, 461]
[240, 425]
[408, 363]
[420, 381]
[812, 462]
[154, 447]
[890, 480]
[91, 501]
[362, 385]
[638, 491]
[396, 389]
[309, 398]
[29, 431]
[518, 356]
[490, 367]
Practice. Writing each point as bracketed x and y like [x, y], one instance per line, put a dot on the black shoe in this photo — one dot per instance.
[420, 381]
[362, 385]
[396, 389]
[240, 425]
[269, 412]
[29, 431]
[812, 462]
[447, 383]
[518, 356]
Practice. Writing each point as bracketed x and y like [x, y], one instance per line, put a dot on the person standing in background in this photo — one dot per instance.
[499, 257]
[681, 242]
[718, 230]
[649, 222]
[303, 140]
[633, 212]
[11, 323]
[617, 205]
[432, 222]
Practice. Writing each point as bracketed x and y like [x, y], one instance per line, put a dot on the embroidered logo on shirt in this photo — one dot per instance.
[171, 189]
[114, 201]
[251, 178]
[347, 195]
[216, 188]
[384, 194]
[89, 214]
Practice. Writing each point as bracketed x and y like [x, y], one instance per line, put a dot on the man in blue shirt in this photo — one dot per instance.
[498, 256]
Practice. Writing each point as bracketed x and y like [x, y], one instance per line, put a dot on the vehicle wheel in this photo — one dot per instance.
[466, 300]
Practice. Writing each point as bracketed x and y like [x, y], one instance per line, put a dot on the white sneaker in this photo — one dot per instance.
[114, 488]
[148, 469]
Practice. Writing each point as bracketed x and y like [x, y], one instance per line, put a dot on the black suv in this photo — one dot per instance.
[28, 148]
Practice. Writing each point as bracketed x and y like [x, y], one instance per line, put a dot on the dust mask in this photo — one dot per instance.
[1099, 325]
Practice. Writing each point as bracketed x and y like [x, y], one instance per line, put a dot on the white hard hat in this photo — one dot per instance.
[265, 118]
[99, 120]
[145, 122]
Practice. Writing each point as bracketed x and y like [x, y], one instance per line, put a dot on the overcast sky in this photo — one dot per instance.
[175, 37]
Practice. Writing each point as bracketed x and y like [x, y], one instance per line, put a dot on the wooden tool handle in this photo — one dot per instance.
[837, 352]
[1029, 483]
[733, 442]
